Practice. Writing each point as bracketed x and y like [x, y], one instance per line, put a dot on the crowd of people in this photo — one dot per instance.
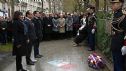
[30, 29]
[5, 31]
[27, 31]
[53, 26]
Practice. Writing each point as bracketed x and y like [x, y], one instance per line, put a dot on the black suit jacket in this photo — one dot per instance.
[31, 29]
[38, 27]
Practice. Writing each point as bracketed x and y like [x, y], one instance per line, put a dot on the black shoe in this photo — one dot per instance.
[75, 45]
[91, 50]
[38, 56]
[30, 63]
[22, 70]
[33, 61]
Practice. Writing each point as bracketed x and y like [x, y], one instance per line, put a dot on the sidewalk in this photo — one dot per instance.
[5, 60]
[108, 62]
[59, 55]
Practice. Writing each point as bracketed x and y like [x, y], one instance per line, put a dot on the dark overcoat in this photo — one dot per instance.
[38, 27]
[48, 25]
[20, 38]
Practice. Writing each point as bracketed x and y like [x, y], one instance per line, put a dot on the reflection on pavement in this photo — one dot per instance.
[58, 57]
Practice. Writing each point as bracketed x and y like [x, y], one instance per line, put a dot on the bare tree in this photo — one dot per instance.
[12, 2]
[76, 5]
[97, 5]
[42, 6]
[105, 5]
[2, 1]
[86, 2]
[49, 5]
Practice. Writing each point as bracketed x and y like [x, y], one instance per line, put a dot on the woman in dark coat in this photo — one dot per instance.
[20, 39]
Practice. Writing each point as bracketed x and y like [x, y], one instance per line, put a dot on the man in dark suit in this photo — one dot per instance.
[31, 35]
[38, 30]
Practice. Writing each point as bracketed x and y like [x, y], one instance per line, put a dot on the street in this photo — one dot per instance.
[59, 55]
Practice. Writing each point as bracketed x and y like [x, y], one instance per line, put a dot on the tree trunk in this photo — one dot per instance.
[105, 5]
[97, 5]
[12, 7]
[54, 7]
[76, 5]
[2, 1]
[86, 2]
[49, 6]
[42, 6]
[8, 4]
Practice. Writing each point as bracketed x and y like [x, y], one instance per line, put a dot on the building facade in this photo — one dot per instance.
[7, 7]
[24, 5]
[55, 6]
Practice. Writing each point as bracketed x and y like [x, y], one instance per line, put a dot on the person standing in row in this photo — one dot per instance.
[42, 24]
[69, 25]
[118, 41]
[31, 36]
[9, 30]
[55, 22]
[48, 25]
[20, 39]
[3, 31]
[38, 30]
[62, 26]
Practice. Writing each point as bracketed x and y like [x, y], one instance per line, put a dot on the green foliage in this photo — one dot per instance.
[69, 5]
[102, 39]
[6, 48]
[103, 15]
[109, 15]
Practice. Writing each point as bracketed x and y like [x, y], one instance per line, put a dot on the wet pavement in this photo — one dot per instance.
[59, 55]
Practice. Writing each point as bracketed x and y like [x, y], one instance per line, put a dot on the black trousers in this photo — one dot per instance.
[47, 36]
[62, 35]
[118, 60]
[3, 38]
[55, 36]
[69, 34]
[36, 47]
[18, 62]
[75, 32]
[29, 46]
[91, 40]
